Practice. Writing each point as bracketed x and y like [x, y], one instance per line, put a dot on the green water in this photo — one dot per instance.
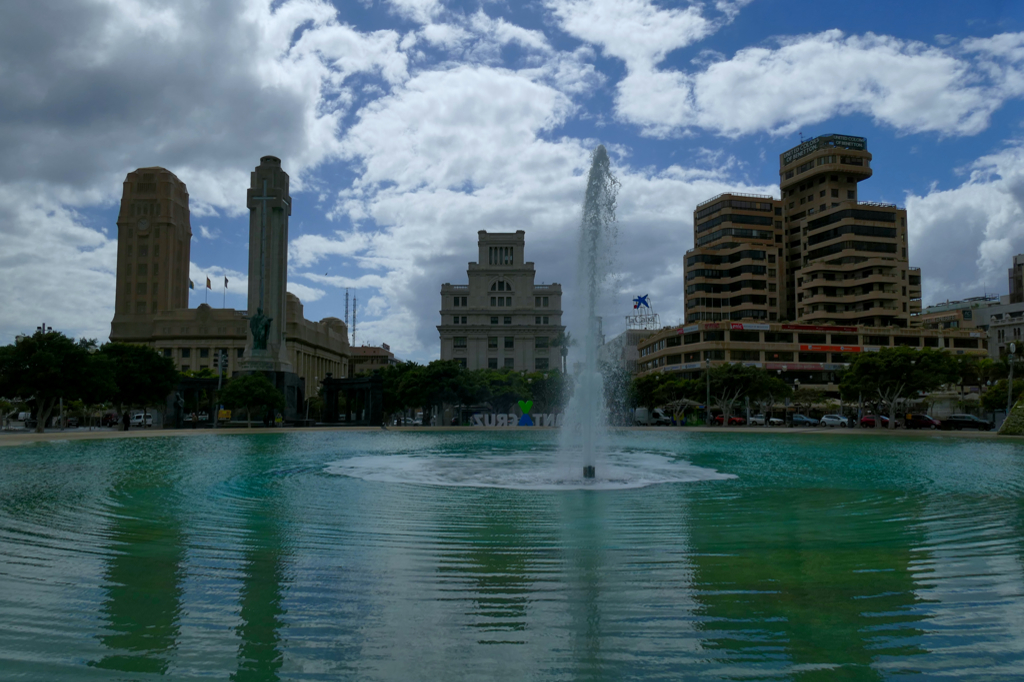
[387, 556]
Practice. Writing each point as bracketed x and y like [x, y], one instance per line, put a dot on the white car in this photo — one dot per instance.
[138, 417]
[775, 421]
[756, 420]
[834, 420]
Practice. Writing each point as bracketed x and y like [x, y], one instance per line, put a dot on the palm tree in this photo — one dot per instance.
[564, 340]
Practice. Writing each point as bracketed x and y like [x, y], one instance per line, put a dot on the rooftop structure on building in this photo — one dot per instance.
[368, 359]
[501, 318]
[953, 314]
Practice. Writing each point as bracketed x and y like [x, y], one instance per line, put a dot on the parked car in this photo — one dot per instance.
[110, 419]
[733, 421]
[757, 420]
[656, 417]
[957, 422]
[203, 416]
[138, 417]
[802, 420]
[868, 421]
[921, 421]
[834, 420]
[776, 421]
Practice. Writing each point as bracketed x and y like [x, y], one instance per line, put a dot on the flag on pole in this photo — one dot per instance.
[209, 285]
[191, 284]
[225, 282]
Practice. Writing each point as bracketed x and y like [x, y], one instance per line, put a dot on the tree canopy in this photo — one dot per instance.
[143, 376]
[254, 392]
[891, 375]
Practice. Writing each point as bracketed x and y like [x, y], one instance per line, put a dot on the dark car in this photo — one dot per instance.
[801, 420]
[733, 421]
[868, 421]
[921, 421]
[111, 419]
[965, 421]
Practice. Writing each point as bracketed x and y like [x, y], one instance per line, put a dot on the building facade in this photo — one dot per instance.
[368, 359]
[808, 354]
[151, 303]
[735, 270]
[954, 314]
[846, 260]
[502, 318]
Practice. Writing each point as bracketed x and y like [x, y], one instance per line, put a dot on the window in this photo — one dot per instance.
[813, 357]
[822, 207]
[510, 363]
[185, 368]
[851, 194]
[821, 193]
[494, 320]
[492, 363]
[714, 355]
[501, 285]
[492, 342]
[186, 353]
[167, 352]
[771, 258]
[545, 318]
[802, 201]
[462, 362]
[540, 342]
[140, 308]
[510, 342]
[835, 193]
[745, 355]
[459, 301]
[499, 255]
[508, 320]
[540, 363]
[141, 269]
[463, 319]
[239, 352]
[834, 178]
[494, 301]
[536, 320]
[536, 303]
[714, 336]
[850, 179]
[778, 356]
[204, 352]
[508, 301]
[771, 272]
[544, 301]
[459, 342]
[455, 320]
[143, 250]
[140, 288]
[778, 337]
[748, 337]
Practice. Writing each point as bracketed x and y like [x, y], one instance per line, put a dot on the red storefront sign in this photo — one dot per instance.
[833, 349]
[811, 328]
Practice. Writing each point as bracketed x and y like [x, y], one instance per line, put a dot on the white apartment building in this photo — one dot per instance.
[501, 318]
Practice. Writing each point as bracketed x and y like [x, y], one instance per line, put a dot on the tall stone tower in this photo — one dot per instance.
[269, 207]
[153, 240]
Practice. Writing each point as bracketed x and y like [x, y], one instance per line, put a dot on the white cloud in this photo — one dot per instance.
[966, 237]
[208, 233]
[305, 294]
[53, 267]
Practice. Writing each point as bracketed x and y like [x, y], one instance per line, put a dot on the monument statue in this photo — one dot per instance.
[259, 325]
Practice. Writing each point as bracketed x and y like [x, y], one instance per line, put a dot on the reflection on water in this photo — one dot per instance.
[260, 654]
[143, 578]
[822, 558]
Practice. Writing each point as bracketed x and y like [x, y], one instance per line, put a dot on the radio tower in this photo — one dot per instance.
[346, 306]
[354, 302]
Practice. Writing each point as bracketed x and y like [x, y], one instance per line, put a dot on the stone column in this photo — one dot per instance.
[269, 207]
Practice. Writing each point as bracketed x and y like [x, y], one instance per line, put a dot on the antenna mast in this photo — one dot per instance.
[346, 306]
[355, 300]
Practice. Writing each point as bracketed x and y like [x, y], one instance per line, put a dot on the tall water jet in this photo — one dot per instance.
[597, 238]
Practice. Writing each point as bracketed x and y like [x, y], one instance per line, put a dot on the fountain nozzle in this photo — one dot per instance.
[588, 471]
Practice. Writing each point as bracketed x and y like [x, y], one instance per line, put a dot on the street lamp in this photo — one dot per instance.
[707, 402]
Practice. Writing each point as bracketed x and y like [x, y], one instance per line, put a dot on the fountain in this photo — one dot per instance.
[586, 413]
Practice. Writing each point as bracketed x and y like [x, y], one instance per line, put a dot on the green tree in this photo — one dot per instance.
[768, 393]
[892, 375]
[994, 397]
[144, 377]
[252, 391]
[730, 383]
[48, 367]
[563, 342]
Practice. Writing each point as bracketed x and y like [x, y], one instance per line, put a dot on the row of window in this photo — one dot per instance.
[141, 269]
[540, 319]
[492, 342]
[203, 352]
[509, 363]
[737, 336]
[499, 255]
[463, 301]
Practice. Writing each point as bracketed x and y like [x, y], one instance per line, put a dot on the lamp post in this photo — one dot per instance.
[1009, 389]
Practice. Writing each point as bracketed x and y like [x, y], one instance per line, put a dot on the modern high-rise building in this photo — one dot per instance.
[846, 260]
[502, 318]
[1017, 280]
[735, 269]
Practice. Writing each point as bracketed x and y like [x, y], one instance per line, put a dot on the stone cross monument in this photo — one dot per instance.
[269, 207]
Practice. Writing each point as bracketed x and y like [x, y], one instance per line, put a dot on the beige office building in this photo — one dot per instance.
[151, 303]
[735, 270]
[502, 318]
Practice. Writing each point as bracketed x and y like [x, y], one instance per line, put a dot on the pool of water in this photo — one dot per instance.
[480, 556]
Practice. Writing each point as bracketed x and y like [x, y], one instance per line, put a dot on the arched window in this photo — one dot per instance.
[501, 285]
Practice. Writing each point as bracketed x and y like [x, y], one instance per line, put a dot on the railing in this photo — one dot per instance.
[456, 286]
[735, 194]
[546, 287]
[879, 204]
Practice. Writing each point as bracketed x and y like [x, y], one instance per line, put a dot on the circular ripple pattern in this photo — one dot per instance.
[420, 556]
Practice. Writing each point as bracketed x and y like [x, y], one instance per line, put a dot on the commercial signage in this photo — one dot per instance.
[805, 366]
[511, 419]
[975, 335]
[832, 349]
[842, 141]
[812, 328]
[689, 329]
[759, 327]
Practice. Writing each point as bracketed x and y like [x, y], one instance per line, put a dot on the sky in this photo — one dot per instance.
[408, 125]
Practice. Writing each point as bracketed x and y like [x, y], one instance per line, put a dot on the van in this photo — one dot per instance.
[656, 417]
[137, 419]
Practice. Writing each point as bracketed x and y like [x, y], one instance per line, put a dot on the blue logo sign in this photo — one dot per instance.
[641, 301]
